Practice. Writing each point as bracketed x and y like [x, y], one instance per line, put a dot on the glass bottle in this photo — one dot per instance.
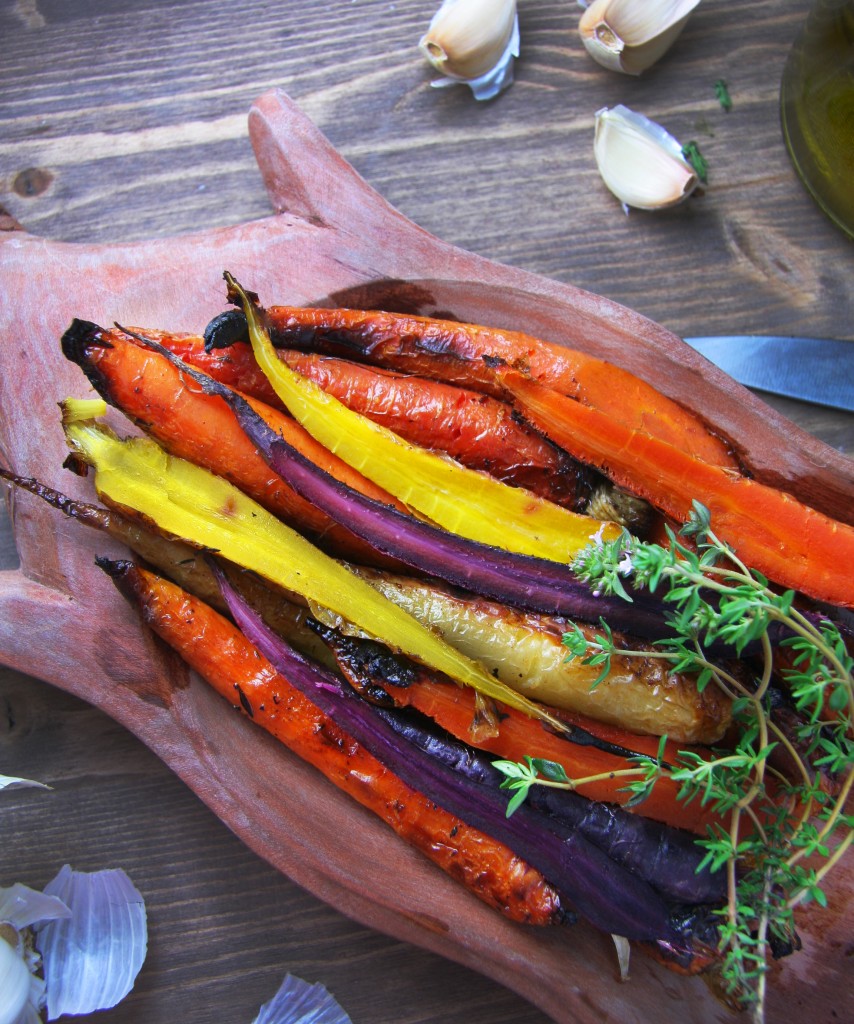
[817, 108]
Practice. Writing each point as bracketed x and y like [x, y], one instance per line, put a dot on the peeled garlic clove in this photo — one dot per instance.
[631, 35]
[640, 162]
[474, 41]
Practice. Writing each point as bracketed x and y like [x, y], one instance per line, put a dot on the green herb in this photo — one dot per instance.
[722, 93]
[691, 152]
[783, 837]
[521, 775]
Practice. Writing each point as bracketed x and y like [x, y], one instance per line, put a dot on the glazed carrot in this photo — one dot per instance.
[187, 501]
[455, 710]
[148, 389]
[771, 531]
[464, 502]
[221, 654]
[475, 429]
[459, 353]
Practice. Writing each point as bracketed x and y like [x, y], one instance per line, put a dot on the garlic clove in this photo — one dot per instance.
[631, 35]
[14, 980]
[474, 41]
[640, 162]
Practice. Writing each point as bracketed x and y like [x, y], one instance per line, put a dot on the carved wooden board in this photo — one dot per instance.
[335, 241]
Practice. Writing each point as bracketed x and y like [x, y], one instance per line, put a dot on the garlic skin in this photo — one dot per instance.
[299, 1002]
[92, 956]
[640, 162]
[631, 35]
[474, 42]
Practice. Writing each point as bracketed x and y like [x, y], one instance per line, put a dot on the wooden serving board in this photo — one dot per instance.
[334, 241]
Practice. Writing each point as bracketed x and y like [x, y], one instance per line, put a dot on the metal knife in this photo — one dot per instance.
[817, 370]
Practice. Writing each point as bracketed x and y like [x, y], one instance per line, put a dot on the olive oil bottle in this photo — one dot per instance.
[817, 108]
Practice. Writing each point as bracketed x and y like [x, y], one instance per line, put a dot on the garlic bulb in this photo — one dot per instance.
[631, 35]
[639, 161]
[14, 979]
[475, 42]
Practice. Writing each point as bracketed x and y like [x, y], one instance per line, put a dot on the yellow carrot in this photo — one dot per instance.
[461, 500]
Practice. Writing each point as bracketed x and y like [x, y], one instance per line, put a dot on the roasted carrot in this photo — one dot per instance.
[184, 500]
[459, 353]
[151, 392]
[771, 531]
[466, 503]
[455, 710]
[525, 650]
[221, 654]
[475, 429]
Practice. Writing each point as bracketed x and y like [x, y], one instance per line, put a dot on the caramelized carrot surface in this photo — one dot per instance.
[460, 353]
[475, 429]
[221, 654]
[202, 429]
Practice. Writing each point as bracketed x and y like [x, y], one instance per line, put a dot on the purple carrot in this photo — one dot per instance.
[609, 896]
[666, 857]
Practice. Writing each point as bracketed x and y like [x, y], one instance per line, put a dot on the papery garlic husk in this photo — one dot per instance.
[631, 35]
[299, 1002]
[467, 39]
[624, 952]
[92, 957]
[640, 162]
[21, 990]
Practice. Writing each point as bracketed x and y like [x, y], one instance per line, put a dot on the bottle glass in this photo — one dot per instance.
[817, 108]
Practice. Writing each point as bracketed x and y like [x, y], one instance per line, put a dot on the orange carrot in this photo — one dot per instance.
[475, 429]
[455, 709]
[221, 654]
[154, 394]
[459, 353]
[771, 531]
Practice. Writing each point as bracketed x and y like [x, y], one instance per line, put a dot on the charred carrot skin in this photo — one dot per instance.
[460, 353]
[155, 395]
[220, 653]
[381, 676]
[772, 532]
[475, 429]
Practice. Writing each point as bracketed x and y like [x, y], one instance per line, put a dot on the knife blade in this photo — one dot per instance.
[817, 370]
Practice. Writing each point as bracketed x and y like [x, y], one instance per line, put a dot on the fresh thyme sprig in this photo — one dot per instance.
[782, 833]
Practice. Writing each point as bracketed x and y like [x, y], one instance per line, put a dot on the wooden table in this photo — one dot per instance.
[127, 120]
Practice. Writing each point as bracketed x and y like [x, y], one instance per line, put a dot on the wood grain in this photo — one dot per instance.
[128, 121]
